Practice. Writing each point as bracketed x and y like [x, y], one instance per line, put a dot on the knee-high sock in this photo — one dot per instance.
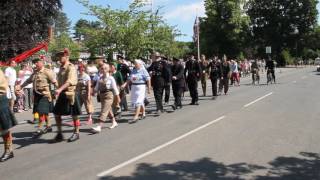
[7, 139]
[36, 116]
[41, 120]
[48, 123]
[76, 123]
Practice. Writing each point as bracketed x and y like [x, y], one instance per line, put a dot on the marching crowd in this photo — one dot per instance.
[63, 91]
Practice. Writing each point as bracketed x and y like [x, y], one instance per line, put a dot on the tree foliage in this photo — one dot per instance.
[135, 31]
[23, 24]
[281, 23]
[224, 30]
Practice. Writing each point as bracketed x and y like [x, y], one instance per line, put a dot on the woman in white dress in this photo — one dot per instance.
[139, 79]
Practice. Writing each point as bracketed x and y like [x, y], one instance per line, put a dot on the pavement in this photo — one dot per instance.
[254, 132]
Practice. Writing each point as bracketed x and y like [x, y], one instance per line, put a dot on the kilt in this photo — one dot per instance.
[7, 118]
[41, 104]
[64, 108]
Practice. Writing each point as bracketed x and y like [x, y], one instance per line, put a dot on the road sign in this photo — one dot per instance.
[268, 49]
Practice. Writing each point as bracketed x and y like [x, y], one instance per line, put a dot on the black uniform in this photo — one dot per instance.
[125, 72]
[177, 84]
[193, 70]
[159, 75]
[215, 75]
[270, 69]
[167, 85]
[225, 76]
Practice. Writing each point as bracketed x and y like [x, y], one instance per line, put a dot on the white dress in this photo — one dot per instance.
[138, 79]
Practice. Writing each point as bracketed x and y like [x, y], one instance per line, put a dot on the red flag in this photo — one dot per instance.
[26, 54]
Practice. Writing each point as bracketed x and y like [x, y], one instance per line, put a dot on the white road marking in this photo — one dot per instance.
[249, 104]
[24, 138]
[104, 173]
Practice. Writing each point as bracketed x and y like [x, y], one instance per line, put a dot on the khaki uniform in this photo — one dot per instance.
[68, 74]
[106, 98]
[3, 84]
[82, 89]
[41, 82]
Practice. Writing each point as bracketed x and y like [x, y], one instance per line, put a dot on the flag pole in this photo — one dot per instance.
[198, 39]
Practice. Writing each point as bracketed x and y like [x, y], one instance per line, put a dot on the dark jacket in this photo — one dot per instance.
[159, 73]
[215, 70]
[193, 69]
[178, 72]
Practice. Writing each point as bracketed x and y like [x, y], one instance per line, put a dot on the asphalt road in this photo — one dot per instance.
[255, 132]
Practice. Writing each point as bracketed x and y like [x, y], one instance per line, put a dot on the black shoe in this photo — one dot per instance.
[214, 97]
[74, 137]
[143, 117]
[192, 103]
[59, 138]
[174, 107]
[37, 134]
[31, 121]
[6, 156]
[47, 129]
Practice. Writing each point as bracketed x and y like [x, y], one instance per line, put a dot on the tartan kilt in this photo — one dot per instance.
[7, 118]
[42, 105]
[64, 108]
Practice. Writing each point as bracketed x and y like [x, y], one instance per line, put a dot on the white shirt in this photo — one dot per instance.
[110, 84]
[84, 78]
[92, 70]
[11, 74]
[26, 76]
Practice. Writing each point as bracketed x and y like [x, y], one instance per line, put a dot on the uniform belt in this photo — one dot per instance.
[105, 91]
[138, 83]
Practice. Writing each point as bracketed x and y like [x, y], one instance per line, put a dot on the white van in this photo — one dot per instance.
[317, 63]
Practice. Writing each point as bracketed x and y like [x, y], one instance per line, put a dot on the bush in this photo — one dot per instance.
[286, 57]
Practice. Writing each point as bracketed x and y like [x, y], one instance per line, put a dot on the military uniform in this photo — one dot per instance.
[125, 72]
[215, 75]
[67, 102]
[177, 83]
[168, 84]
[192, 72]
[204, 75]
[7, 119]
[82, 90]
[225, 76]
[159, 76]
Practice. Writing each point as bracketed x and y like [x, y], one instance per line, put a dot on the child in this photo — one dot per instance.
[19, 102]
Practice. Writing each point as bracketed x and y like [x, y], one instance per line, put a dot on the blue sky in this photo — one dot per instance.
[180, 13]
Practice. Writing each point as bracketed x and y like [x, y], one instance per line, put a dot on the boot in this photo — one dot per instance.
[8, 153]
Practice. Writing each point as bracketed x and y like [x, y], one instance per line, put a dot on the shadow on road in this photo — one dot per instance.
[306, 166]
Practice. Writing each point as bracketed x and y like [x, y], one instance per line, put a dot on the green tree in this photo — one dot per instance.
[61, 24]
[24, 24]
[64, 41]
[224, 30]
[135, 31]
[281, 23]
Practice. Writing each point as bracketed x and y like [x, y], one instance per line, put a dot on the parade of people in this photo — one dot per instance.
[148, 89]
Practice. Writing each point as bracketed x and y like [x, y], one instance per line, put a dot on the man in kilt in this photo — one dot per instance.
[67, 102]
[7, 119]
[41, 79]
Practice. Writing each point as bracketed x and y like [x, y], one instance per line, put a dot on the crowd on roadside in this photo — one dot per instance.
[65, 89]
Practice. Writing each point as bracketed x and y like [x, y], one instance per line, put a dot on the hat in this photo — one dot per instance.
[36, 60]
[64, 52]
[80, 60]
[119, 56]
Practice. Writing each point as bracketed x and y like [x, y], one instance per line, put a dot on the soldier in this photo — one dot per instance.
[178, 82]
[125, 72]
[215, 75]
[192, 72]
[7, 119]
[67, 101]
[167, 83]
[84, 91]
[43, 105]
[225, 76]
[159, 75]
[204, 74]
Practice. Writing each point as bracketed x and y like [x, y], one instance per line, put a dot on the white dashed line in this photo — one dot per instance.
[259, 99]
[104, 173]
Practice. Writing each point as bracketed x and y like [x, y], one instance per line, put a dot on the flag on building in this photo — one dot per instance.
[196, 30]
